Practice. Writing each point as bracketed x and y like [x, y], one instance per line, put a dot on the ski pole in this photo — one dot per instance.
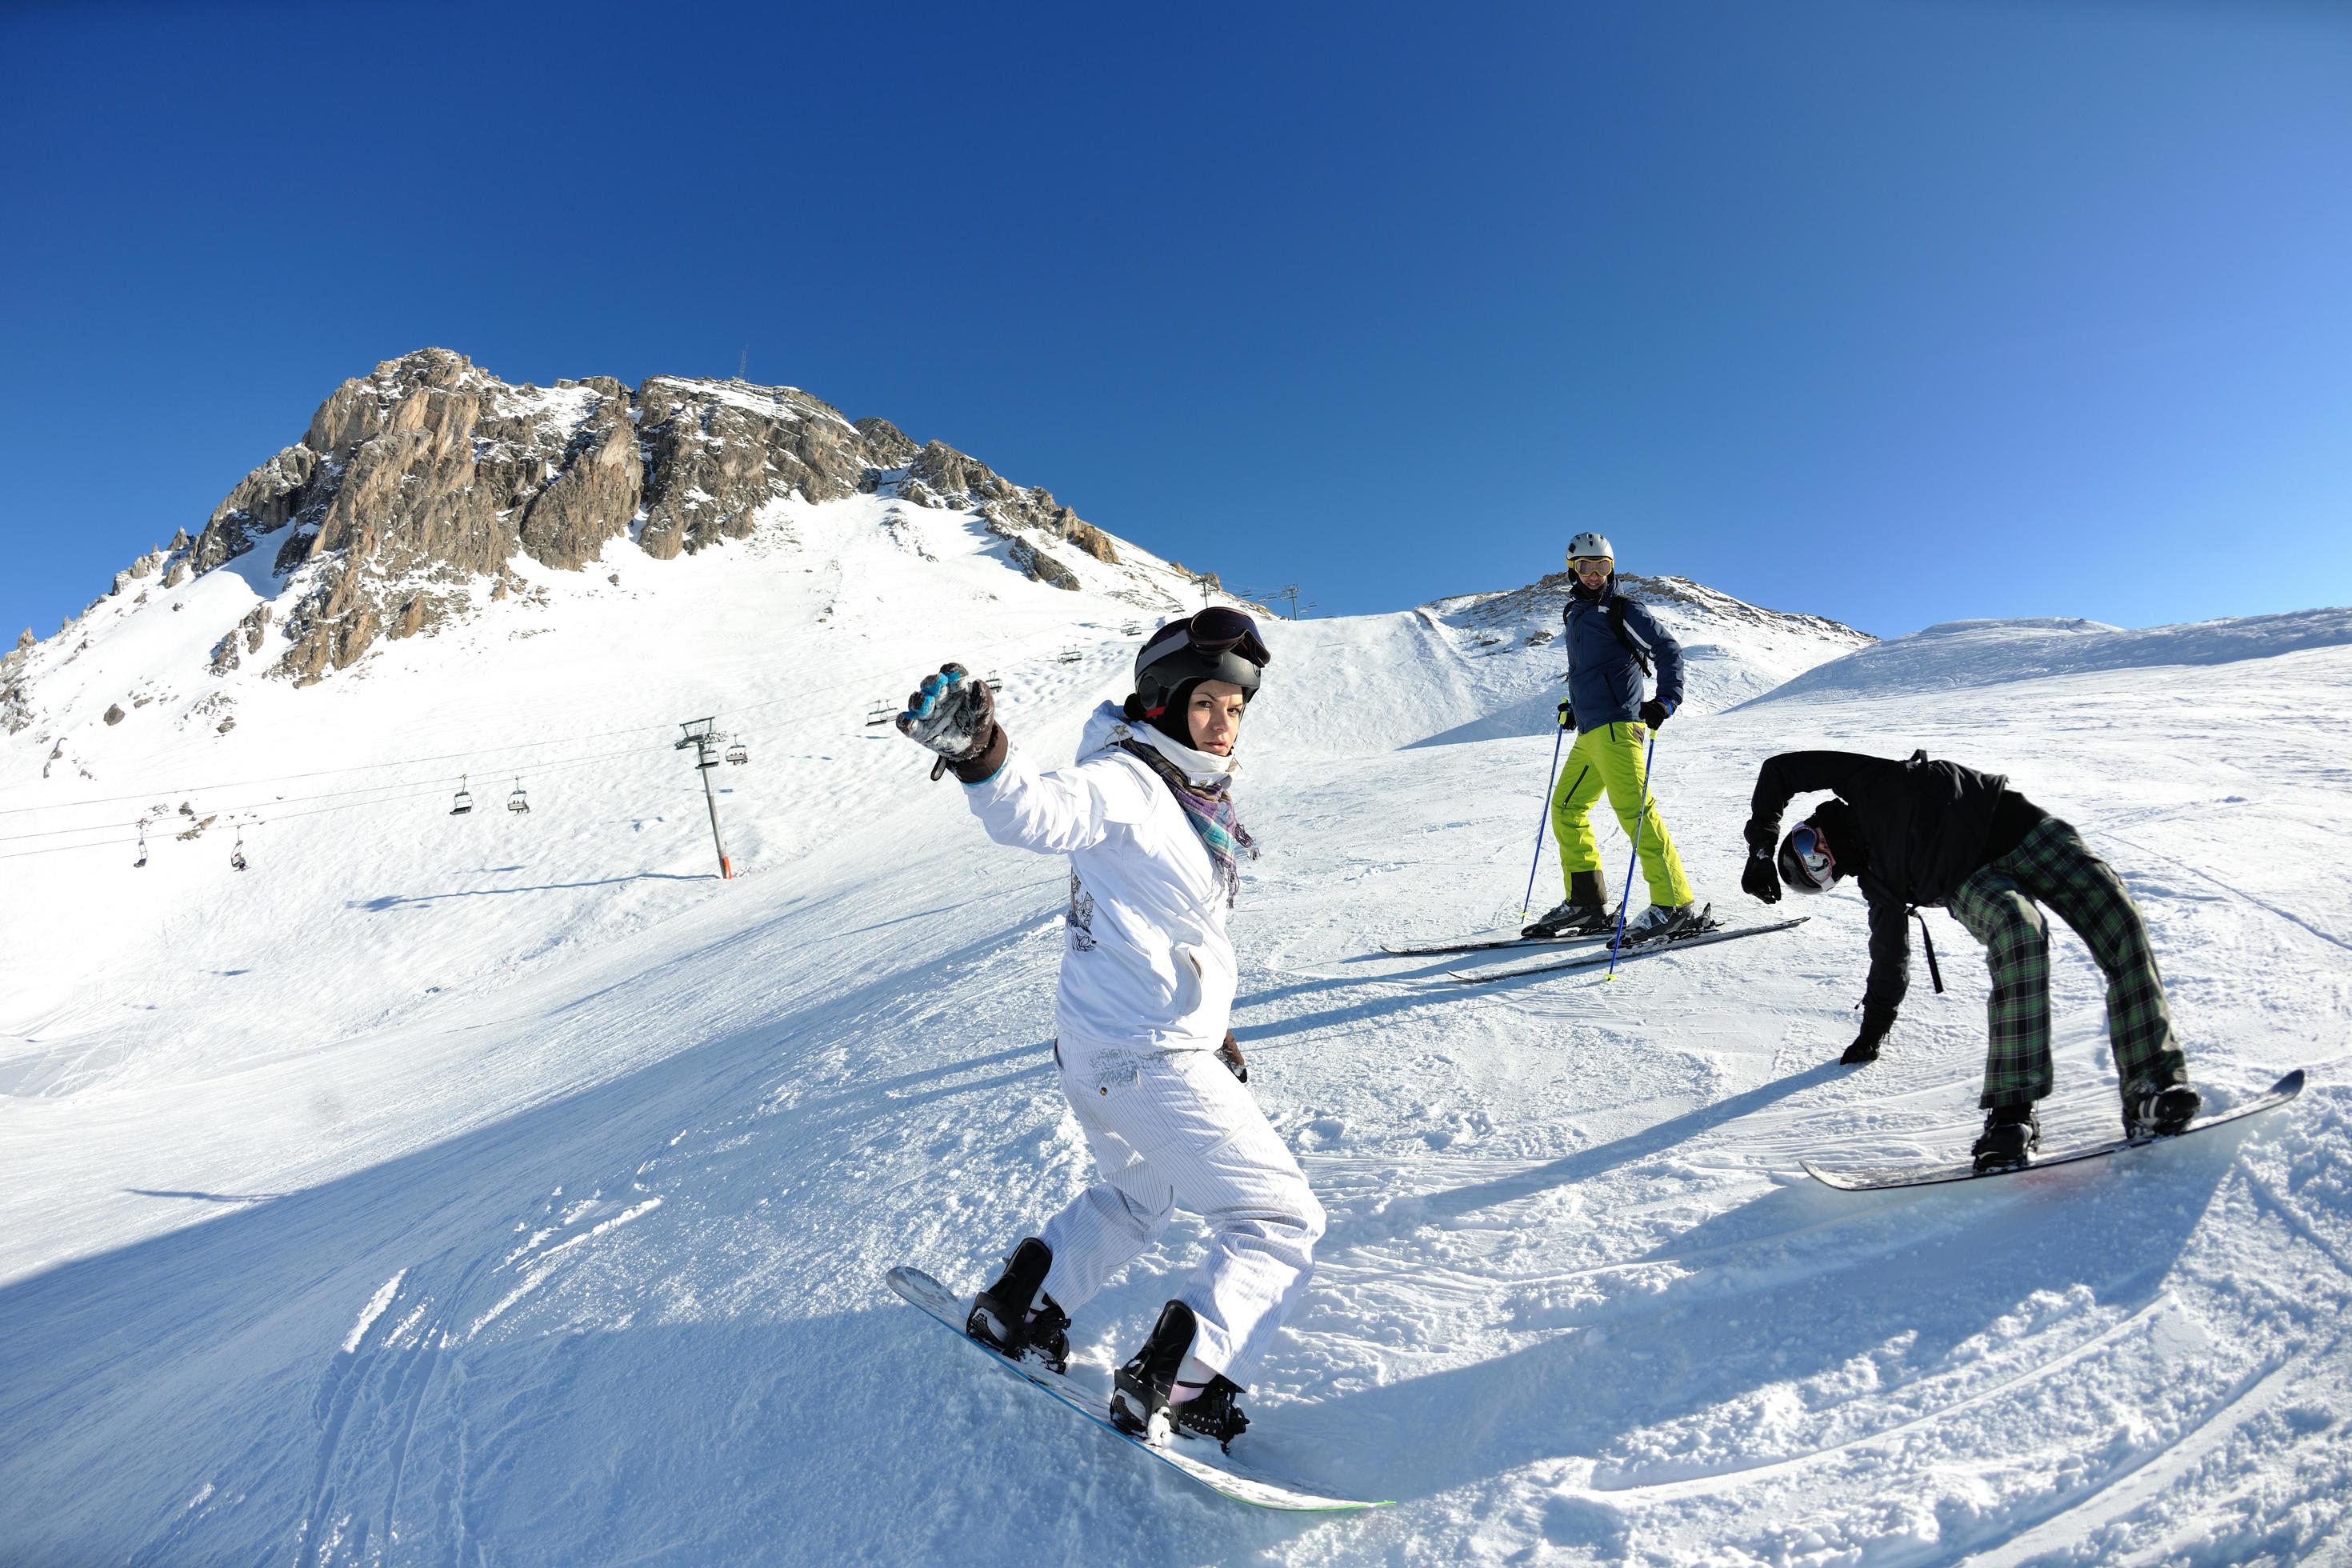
[1640, 820]
[1529, 903]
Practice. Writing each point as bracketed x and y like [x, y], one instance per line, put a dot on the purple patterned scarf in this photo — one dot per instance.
[1210, 810]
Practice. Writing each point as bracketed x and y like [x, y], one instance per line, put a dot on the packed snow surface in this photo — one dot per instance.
[508, 1187]
[1992, 653]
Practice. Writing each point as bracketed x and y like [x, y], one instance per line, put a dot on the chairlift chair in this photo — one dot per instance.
[465, 801]
[237, 855]
[738, 754]
[143, 845]
[518, 802]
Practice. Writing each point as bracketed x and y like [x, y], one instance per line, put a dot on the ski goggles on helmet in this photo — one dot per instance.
[1806, 864]
[1217, 644]
[1221, 628]
[1584, 564]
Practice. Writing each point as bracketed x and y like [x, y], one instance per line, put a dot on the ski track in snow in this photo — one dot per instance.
[517, 1192]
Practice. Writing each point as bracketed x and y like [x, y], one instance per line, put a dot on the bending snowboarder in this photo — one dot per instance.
[1921, 831]
[1611, 643]
[1147, 1061]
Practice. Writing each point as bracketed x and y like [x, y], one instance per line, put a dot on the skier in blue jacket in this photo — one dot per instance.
[1613, 642]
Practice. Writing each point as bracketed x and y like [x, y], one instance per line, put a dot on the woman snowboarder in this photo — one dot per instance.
[1147, 1061]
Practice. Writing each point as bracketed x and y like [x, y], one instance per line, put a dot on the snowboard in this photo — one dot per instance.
[1199, 1459]
[1679, 942]
[1875, 1179]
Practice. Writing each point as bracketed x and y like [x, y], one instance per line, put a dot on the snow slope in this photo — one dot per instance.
[508, 1188]
[1991, 653]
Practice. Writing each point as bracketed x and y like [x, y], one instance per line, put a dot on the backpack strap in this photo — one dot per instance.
[1633, 645]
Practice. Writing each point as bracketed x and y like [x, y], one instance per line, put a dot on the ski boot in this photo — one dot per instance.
[1584, 912]
[2011, 1133]
[1147, 1400]
[1003, 1320]
[2158, 1109]
[1661, 920]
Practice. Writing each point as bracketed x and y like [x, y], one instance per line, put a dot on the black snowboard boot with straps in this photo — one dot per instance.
[1015, 1318]
[2011, 1133]
[2158, 1109]
[1145, 1403]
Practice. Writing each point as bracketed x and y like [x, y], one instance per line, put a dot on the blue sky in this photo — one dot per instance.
[1893, 312]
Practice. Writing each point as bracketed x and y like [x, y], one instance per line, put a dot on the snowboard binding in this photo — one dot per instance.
[1003, 1320]
[1142, 1403]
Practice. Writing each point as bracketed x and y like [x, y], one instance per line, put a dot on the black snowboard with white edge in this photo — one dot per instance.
[1880, 1178]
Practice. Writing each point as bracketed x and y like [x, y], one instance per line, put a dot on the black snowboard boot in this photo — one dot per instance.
[1003, 1318]
[1139, 1395]
[2011, 1133]
[1584, 912]
[2158, 1109]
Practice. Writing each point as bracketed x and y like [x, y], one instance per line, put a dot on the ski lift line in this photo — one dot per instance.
[266, 812]
[425, 786]
[987, 653]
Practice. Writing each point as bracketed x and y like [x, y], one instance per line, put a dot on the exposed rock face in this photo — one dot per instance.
[15, 712]
[1042, 566]
[248, 631]
[114, 713]
[1087, 537]
[892, 447]
[718, 450]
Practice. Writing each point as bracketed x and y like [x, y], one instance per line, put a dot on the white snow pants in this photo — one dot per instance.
[1173, 1127]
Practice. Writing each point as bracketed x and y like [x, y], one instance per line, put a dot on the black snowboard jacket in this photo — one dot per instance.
[1925, 826]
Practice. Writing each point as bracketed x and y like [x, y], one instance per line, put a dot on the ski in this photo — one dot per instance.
[1875, 1179]
[1212, 1468]
[1482, 945]
[1677, 942]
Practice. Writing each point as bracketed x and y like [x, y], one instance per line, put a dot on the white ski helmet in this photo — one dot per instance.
[1587, 545]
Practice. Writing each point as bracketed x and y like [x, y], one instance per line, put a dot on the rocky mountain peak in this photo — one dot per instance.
[429, 475]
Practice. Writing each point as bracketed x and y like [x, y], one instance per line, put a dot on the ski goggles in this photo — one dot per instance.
[1219, 629]
[1584, 564]
[1819, 863]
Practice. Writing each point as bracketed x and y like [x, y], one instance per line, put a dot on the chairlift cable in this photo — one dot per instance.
[990, 653]
[432, 785]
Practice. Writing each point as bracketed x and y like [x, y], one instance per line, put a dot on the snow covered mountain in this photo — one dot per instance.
[506, 1185]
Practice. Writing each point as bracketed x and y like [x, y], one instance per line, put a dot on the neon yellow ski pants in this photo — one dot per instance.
[1610, 758]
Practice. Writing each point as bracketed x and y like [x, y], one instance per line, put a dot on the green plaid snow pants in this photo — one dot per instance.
[1996, 905]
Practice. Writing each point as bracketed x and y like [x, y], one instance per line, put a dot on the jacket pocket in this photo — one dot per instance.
[1190, 977]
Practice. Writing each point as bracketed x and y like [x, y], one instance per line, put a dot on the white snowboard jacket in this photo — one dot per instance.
[1147, 966]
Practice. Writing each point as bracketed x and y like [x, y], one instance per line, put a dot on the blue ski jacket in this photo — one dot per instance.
[1605, 679]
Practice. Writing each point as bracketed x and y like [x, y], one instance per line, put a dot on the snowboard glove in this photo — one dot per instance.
[1758, 879]
[1230, 1053]
[955, 716]
[1566, 717]
[1654, 713]
[1864, 1049]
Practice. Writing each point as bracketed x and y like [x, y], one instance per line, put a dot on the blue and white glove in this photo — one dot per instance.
[954, 715]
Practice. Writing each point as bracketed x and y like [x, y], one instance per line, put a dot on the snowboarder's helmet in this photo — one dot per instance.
[1805, 861]
[1219, 642]
[1590, 547]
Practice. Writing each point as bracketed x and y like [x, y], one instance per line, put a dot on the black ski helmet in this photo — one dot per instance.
[1219, 642]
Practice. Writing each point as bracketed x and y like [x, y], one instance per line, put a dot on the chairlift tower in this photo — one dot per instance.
[702, 736]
